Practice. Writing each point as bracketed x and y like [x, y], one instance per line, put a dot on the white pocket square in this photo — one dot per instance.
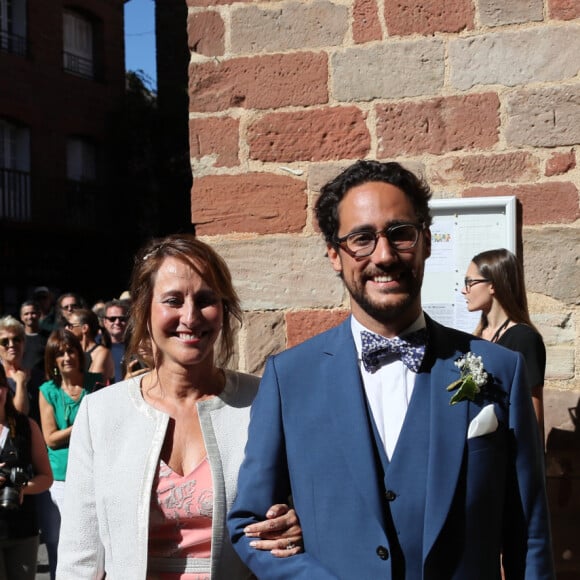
[485, 422]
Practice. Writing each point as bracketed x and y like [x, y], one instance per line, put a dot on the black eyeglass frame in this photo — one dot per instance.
[387, 232]
[468, 283]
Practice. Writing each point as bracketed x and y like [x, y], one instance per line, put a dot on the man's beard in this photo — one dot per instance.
[385, 313]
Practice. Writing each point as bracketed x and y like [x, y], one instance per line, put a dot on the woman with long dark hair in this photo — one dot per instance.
[494, 284]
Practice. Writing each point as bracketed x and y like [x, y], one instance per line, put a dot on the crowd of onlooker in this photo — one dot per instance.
[59, 351]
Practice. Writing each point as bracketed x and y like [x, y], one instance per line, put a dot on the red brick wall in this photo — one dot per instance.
[480, 96]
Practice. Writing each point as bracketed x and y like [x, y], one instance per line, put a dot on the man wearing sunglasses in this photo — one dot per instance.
[115, 321]
[388, 477]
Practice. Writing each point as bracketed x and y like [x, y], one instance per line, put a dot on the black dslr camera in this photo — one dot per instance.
[16, 479]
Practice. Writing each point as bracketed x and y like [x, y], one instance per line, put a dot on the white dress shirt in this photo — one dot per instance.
[389, 389]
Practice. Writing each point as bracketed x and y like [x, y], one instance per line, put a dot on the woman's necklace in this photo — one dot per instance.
[498, 332]
[73, 391]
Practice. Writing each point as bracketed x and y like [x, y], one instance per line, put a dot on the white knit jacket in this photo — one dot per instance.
[114, 453]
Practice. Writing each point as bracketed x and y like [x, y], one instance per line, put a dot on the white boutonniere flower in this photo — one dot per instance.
[473, 377]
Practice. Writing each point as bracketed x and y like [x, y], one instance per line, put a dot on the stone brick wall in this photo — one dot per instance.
[482, 97]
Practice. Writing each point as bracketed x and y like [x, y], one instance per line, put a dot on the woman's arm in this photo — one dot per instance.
[42, 479]
[54, 437]
[280, 532]
[102, 362]
[20, 400]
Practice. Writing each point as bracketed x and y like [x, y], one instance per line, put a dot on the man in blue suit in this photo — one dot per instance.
[390, 480]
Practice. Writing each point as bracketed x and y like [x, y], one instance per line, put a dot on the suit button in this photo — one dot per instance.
[390, 495]
[383, 553]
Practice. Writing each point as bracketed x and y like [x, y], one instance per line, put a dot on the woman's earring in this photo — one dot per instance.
[55, 371]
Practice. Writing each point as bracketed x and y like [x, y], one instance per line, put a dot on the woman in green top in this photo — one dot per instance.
[59, 400]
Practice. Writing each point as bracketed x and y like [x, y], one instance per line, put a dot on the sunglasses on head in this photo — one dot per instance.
[116, 318]
[14, 340]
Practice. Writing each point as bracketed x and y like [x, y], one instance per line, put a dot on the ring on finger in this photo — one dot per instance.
[290, 545]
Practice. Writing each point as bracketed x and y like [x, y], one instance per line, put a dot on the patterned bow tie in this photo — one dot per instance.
[410, 349]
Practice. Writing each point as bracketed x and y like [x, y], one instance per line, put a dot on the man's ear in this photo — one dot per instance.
[334, 257]
[427, 236]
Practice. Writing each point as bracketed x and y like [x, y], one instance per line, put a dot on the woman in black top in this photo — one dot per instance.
[24, 471]
[494, 284]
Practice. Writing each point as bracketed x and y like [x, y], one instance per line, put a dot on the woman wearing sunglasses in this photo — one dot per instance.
[60, 398]
[494, 284]
[11, 355]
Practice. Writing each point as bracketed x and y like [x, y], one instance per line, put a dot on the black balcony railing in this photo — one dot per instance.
[13, 43]
[78, 65]
[15, 195]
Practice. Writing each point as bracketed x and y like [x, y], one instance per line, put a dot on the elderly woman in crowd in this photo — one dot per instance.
[154, 459]
[11, 354]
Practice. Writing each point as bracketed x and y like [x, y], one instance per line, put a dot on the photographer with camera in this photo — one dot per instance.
[24, 471]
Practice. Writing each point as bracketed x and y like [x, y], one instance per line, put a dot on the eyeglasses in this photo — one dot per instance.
[14, 340]
[70, 307]
[469, 282]
[116, 318]
[402, 237]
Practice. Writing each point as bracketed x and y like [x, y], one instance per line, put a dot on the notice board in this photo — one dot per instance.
[463, 227]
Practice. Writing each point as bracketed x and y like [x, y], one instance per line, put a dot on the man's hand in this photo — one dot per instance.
[280, 532]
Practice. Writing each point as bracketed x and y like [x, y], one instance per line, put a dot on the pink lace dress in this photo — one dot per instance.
[180, 524]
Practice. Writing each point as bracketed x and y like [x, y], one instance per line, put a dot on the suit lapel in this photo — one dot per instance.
[448, 429]
[352, 431]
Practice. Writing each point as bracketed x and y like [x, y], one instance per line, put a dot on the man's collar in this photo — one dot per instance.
[357, 328]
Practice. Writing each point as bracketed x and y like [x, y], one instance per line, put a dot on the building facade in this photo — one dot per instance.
[62, 74]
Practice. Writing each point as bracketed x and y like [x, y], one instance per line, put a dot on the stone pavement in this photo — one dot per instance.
[42, 566]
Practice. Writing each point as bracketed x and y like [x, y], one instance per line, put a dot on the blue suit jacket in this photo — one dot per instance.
[309, 438]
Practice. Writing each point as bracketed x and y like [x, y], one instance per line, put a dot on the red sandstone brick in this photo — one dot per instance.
[564, 9]
[438, 125]
[542, 203]
[260, 203]
[307, 323]
[313, 135]
[260, 82]
[517, 166]
[205, 33]
[560, 163]
[215, 136]
[404, 17]
[366, 25]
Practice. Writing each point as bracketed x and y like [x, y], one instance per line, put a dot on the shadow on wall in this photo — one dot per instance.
[563, 482]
